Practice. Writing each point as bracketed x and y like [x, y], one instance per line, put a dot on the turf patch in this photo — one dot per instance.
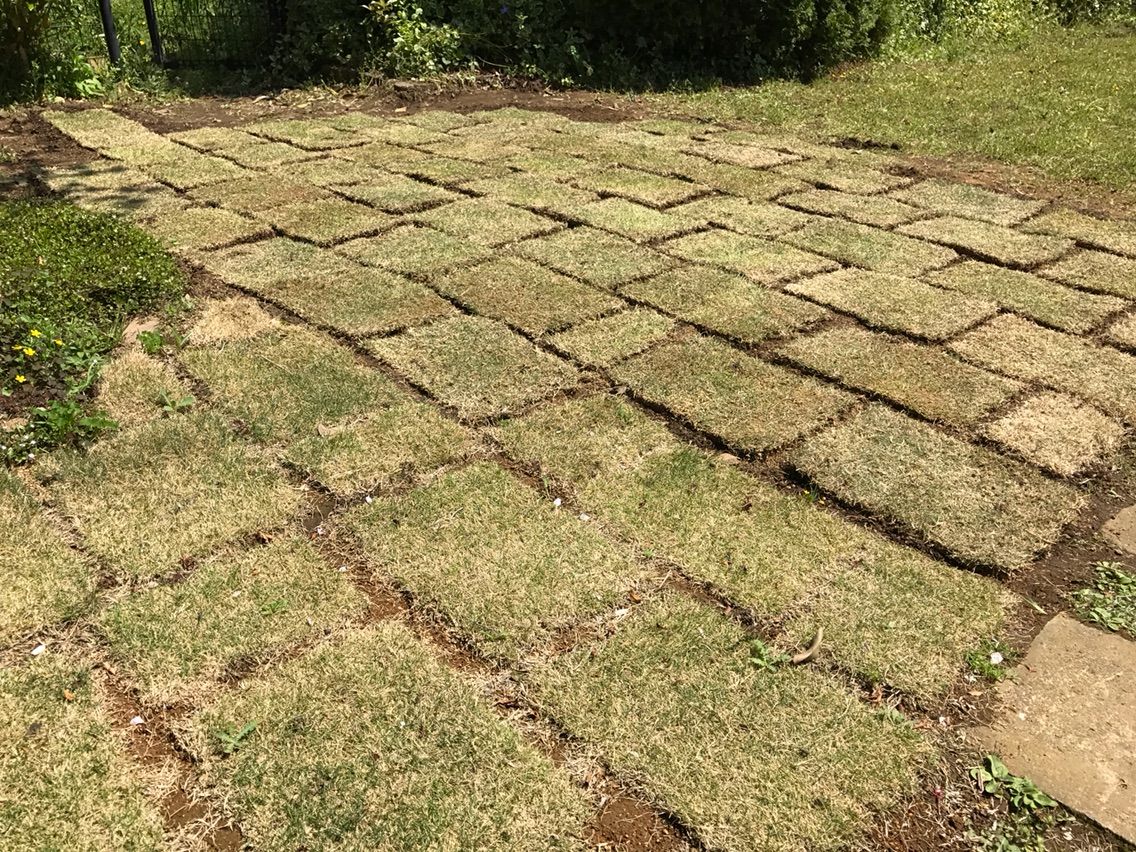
[440, 120]
[1019, 348]
[326, 221]
[257, 193]
[184, 169]
[226, 320]
[255, 266]
[756, 185]
[401, 133]
[1058, 433]
[329, 171]
[642, 187]
[752, 405]
[392, 751]
[98, 128]
[110, 187]
[843, 176]
[1029, 295]
[736, 214]
[676, 680]
[482, 146]
[632, 220]
[870, 248]
[414, 250]
[379, 155]
[242, 148]
[602, 342]
[504, 565]
[990, 242]
[446, 170]
[895, 303]
[309, 134]
[764, 261]
[969, 202]
[879, 211]
[486, 222]
[526, 295]
[749, 156]
[922, 378]
[195, 229]
[475, 365]
[1109, 234]
[66, 781]
[535, 193]
[396, 193]
[1123, 332]
[1096, 270]
[982, 507]
[133, 388]
[237, 608]
[728, 304]
[549, 164]
[167, 491]
[598, 258]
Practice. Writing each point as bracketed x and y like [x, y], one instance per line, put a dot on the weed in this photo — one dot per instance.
[62, 422]
[1111, 601]
[991, 660]
[1031, 812]
[172, 404]
[232, 738]
[765, 657]
[151, 342]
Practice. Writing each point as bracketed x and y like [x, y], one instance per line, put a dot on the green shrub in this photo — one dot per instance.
[44, 45]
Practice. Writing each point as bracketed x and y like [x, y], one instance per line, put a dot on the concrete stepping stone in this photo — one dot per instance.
[1120, 529]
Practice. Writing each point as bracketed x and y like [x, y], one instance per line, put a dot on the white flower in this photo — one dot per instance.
[996, 658]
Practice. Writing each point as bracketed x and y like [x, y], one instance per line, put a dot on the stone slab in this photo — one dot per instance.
[1120, 530]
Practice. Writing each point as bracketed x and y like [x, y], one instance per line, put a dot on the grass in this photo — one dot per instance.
[1108, 234]
[326, 220]
[969, 202]
[980, 506]
[1058, 433]
[728, 304]
[507, 567]
[267, 263]
[392, 750]
[737, 214]
[238, 608]
[870, 248]
[1096, 270]
[749, 759]
[1029, 352]
[196, 229]
[445, 170]
[642, 187]
[755, 185]
[751, 405]
[228, 320]
[396, 193]
[104, 186]
[525, 294]
[1123, 332]
[1111, 600]
[764, 261]
[487, 223]
[185, 169]
[533, 191]
[604, 342]
[843, 176]
[475, 365]
[990, 242]
[1061, 100]
[45, 580]
[875, 210]
[414, 250]
[593, 256]
[311, 135]
[922, 378]
[1029, 295]
[632, 220]
[748, 156]
[132, 386]
[896, 303]
[67, 782]
[168, 491]
[257, 193]
[244, 148]
[98, 128]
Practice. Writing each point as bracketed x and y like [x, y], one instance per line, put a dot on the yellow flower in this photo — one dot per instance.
[35, 333]
[57, 342]
[21, 379]
[29, 351]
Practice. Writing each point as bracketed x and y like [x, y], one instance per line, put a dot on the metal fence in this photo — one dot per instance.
[223, 32]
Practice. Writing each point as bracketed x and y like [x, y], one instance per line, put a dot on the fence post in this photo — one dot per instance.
[155, 33]
[109, 31]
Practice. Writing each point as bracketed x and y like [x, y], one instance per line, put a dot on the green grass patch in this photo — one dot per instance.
[843, 176]
[764, 261]
[605, 341]
[446, 170]
[392, 751]
[1096, 270]
[267, 263]
[598, 258]
[481, 146]
[327, 220]
[754, 184]
[969, 202]
[185, 169]
[486, 222]
[736, 154]
[643, 187]
[414, 250]
[1111, 600]
[1108, 234]
[870, 248]
[104, 186]
[982, 507]
[737, 214]
[876, 210]
[990, 242]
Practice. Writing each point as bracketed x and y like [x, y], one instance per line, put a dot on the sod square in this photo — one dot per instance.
[749, 156]
[603, 342]
[67, 781]
[535, 193]
[239, 607]
[188, 170]
[98, 128]
[674, 700]
[969, 202]
[193, 229]
[225, 320]
[764, 261]
[726, 303]
[643, 187]
[1083, 369]
[1096, 270]
[549, 164]
[925, 379]
[396, 193]
[446, 170]
[401, 133]
[504, 565]
[356, 122]
[284, 385]
[632, 220]
[751, 405]
[1110, 234]
[259, 265]
[211, 139]
[391, 750]
[328, 171]
[879, 211]
[594, 256]
[475, 365]
[257, 193]
[843, 176]
[525, 294]
[309, 134]
[440, 120]
[736, 214]
[45, 581]
[754, 184]
[326, 221]
[414, 250]
[133, 388]
[250, 151]
[114, 188]
[1123, 332]
[896, 303]
[481, 146]
[382, 448]
[982, 507]
[673, 126]
[171, 490]
[379, 155]
[889, 613]
[487, 222]
[870, 248]
[512, 118]
[1058, 433]
[995, 243]
[1029, 295]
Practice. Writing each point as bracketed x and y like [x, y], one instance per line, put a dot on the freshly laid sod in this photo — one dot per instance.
[525, 294]
[1109, 234]
[605, 341]
[843, 176]
[481, 148]
[595, 257]
[751, 405]
[969, 202]
[534, 192]
[97, 128]
[486, 222]
[444, 170]
[980, 506]
[267, 263]
[391, 751]
[45, 581]
[167, 491]
[475, 365]
[257, 193]
[379, 155]
[750, 759]
[995, 243]
[1059, 433]
[1123, 331]
[228, 320]
[870, 248]
[396, 193]
[922, 378]
[764, 261]
[134, 388]
[642, 187]
[736, 180]
[880, 211]
[1081, 368]
[549, 164]
[195, 229]
[312, 135]
[749, 156]
[1096, 270]
[111, 187]
[239, 608]
[728, 304]
[736, 214]
[1029, 295]
[326, 221]
[414, 250]
[66, 781]
[441, 121]
[504, 565]
[632, 220]
[243, 148]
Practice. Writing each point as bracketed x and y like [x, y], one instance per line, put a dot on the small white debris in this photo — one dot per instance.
[342, 569]
[584, 516]
[369, 499]
[319, 530]
[996, 658]
[137, 720]
[236, 594]
[38, 649]
[557, 502]
[1022, 715]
